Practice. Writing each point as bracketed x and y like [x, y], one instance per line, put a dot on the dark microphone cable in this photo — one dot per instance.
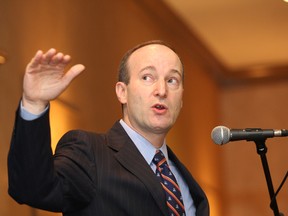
[276, 193]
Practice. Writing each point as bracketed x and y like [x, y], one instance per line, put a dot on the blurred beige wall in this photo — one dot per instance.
[97, 33]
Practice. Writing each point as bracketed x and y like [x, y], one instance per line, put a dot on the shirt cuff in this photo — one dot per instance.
[30, 116]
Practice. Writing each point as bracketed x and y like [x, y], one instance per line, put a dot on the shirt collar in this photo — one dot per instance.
[143, 145]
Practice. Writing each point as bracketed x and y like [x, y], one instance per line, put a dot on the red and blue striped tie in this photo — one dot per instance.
[173, 195]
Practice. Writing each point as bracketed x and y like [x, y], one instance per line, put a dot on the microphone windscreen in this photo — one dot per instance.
[220, 135]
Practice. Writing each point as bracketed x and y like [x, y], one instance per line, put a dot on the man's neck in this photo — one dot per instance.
[156, 139]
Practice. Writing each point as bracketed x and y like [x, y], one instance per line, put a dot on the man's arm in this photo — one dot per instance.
[31, 168]
[30, 163]
[62, 182]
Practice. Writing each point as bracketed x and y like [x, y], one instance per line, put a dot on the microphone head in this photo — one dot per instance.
[220, 135]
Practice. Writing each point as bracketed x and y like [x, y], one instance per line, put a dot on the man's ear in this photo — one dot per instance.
[121, 92]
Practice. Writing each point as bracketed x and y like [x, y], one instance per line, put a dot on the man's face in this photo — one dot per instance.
[153, 98]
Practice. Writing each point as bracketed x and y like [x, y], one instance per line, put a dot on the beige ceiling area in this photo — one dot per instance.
[241, 34]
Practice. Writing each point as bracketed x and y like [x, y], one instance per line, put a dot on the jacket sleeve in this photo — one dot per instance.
[60, 182]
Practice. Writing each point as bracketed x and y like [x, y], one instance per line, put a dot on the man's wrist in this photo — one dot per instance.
[28, 116]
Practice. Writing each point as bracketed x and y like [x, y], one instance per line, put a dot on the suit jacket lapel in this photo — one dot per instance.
[128, 155]
[198, 195]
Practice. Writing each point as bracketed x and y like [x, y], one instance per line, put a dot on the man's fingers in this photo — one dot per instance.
[64, 61]
[51, 57]
[73, 72]
[56, 59]
[36, 59]
[46, 58]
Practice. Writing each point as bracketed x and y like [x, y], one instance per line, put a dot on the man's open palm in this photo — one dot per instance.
[45, 79]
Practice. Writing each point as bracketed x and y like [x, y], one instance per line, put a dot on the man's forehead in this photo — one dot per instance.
[152, 52]
[149, 54]
[152, 48]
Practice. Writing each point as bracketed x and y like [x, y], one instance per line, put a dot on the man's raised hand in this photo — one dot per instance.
[45, 79]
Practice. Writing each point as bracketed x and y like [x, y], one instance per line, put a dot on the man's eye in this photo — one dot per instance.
[147, 78]
[173, 81]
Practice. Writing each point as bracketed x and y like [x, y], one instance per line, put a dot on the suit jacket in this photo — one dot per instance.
[89, 175]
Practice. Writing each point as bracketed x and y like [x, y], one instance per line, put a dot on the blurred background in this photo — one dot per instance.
[235, 55]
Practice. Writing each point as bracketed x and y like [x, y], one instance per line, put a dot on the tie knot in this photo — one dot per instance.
[159, 159]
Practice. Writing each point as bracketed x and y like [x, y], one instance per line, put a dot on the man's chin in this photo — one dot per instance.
[161, 128]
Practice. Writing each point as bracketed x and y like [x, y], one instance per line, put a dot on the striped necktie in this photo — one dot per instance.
[173, 195]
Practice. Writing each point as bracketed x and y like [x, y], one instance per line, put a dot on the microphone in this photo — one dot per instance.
[222, 135]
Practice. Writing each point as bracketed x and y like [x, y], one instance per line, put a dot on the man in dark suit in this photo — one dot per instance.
[104, 174]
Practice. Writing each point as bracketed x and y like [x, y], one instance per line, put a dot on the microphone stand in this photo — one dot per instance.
[262, 150]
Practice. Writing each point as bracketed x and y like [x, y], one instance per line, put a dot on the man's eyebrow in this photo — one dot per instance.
[148, 68]
[152, 68]
[177, 72]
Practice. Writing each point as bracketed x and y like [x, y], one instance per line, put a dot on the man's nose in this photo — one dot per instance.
[161, 88]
